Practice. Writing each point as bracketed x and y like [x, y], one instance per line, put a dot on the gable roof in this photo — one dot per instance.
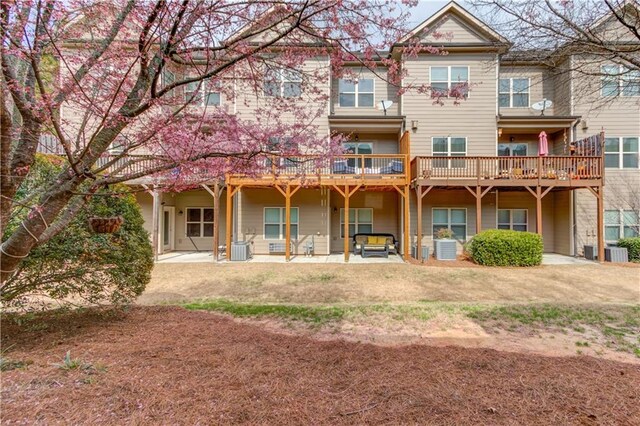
[463, 15]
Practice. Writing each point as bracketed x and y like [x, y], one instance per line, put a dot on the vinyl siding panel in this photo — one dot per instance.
[312, 216]
[562, 222]
[474, 118]
[382, 91]
[386, 213]
[541, 86]
[455, 28]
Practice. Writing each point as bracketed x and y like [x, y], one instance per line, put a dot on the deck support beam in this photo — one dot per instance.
[215, 193]
[155, 218]
[420, 194]
[287, 192]
[346, 194]
[231, 191]
[598, 192]
[478, 194]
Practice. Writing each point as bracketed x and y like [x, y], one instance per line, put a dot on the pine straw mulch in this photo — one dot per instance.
[171, 366]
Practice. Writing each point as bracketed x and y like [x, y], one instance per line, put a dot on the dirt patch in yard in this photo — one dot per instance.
[171, 366]
[321, 283]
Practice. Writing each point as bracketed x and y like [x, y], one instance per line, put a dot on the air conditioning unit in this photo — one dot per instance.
[590, 252]
[616, 254]
[240, 251]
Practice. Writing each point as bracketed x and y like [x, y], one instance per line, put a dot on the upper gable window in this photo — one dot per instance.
[283, 83]
[514, 93]
[449, 81]
[358, 94]
[203, 93]
[619, 80]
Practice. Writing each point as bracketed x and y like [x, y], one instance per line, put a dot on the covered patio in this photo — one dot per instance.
[207, 257]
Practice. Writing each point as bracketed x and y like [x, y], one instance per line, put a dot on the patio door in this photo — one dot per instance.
[359, 148]
[168, 224]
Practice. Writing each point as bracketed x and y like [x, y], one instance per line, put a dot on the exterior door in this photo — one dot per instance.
[168, 224]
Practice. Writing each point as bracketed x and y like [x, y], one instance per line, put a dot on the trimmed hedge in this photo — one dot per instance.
[632, 245]
[499, 247]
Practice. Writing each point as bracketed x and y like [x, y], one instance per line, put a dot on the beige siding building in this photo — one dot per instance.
[415, 165]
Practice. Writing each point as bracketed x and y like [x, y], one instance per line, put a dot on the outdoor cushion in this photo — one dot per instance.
[397, 166]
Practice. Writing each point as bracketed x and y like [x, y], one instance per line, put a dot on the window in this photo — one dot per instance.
[453, 219]
[512, 149]
[621, 153]
[360, 222]
[358, 94]
[199, 222]
[275, 223]
[620, 80]
[279, 145]
[449, 81]
[203, 93]
[167, 78]
[359, 148]
[283, 83]
[513, 219]
[513, 93]
[620, 224]
[449, 147]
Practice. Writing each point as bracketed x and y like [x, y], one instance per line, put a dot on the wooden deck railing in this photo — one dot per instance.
[507, 168]
[392, 167]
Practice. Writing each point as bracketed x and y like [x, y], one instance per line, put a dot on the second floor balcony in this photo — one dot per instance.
[569, 171]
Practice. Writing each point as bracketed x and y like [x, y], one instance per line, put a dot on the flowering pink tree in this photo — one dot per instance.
[132, 89]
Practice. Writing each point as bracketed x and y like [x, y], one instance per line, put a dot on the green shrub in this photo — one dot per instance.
[632, 244]
[497, 247]
[78, 265]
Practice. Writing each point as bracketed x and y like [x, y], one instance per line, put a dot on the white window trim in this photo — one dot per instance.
[202, 88]
[202, 222]
[448, 209]
[356, 223]
[621, 153]
[357, 92]
[282, 225]
[457, 154]
[619, 225]
[468, 94]
[620, 78]
[511, 92]
[281, 80]
[511, 223]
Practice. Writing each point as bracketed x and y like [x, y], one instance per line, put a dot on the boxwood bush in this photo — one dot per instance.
[632, 245]
[498, 247]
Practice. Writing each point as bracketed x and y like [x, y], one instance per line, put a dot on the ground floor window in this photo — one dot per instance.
[199, 222]
[620, 224]
[513, 219]
[453, 219]
[360, 222]
[275, 223]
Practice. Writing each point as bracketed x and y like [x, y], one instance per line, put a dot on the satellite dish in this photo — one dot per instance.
[384, 105]
[542, 105]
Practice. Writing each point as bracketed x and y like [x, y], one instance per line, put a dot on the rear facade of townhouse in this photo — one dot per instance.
[417, 166]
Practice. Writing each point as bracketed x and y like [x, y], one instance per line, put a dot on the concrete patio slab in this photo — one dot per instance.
[207, 257]
[560, 259]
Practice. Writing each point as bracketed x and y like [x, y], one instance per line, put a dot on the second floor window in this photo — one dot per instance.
[619, 80]
[513, 93]
[358, 94]
[449, 81]
[283, 83]
[450, 146]
[202, 93]
[621, 153]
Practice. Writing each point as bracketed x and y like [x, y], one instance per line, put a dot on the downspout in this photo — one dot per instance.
[574, 217]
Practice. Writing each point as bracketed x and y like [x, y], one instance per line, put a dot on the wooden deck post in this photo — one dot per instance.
[229, 220]
[600, 234]
[216, 221]
[346, 223]
[419, 223]
[155, 218]
[406, 231]
[287, 238]
[539, 210]
[478, 209]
